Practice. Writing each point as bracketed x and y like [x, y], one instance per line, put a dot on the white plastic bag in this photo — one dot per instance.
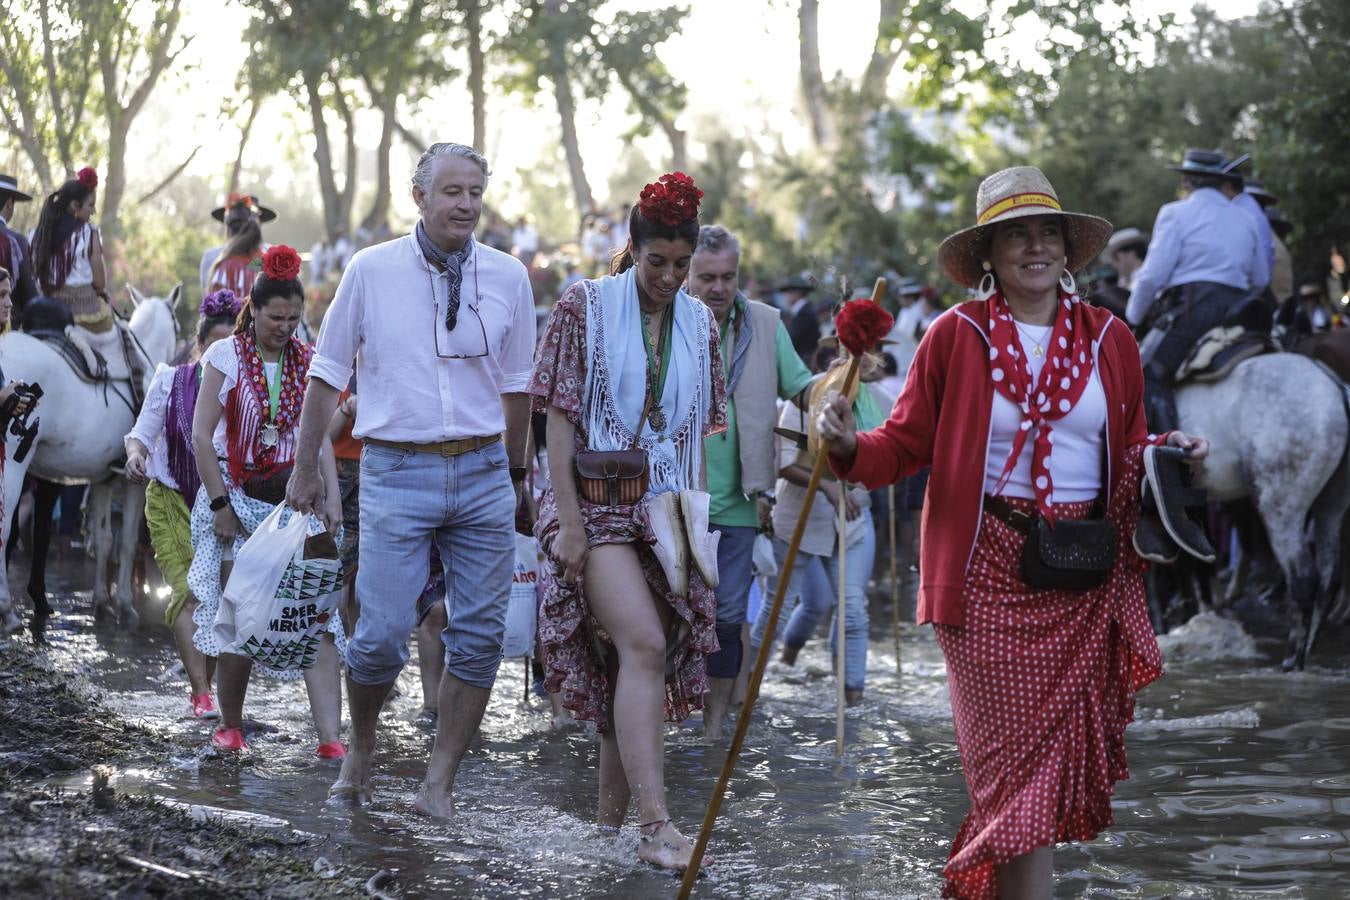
[762, 559]
[523, 607]
[281, 627]
[258, 567]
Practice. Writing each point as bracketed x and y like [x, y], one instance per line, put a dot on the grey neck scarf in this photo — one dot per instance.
[452, 262]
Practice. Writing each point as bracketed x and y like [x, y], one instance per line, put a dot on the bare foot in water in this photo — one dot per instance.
[663, 846]
[353, 782]
[437, 804]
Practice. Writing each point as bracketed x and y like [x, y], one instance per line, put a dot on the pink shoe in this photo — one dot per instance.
[231, 739]
[203, 707]
[331, 750]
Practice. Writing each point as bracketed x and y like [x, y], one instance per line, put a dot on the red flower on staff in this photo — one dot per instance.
[87, 177]
[671, 200]
[281, 263]
[861, 325]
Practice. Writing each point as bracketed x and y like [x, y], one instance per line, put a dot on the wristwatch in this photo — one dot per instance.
[219, 503]
[519, 473]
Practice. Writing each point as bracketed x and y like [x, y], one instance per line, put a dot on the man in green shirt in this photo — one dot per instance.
[761, 367]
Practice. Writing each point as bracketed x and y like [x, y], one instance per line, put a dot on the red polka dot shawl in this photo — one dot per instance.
[1064, 376]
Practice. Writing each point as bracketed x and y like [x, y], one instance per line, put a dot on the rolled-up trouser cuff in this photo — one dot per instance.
[476, 670]
[726, 662]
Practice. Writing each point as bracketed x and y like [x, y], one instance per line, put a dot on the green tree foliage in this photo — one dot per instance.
[1302, 150]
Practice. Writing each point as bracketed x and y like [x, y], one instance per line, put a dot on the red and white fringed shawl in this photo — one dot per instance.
[249, 410]
[1066, 373]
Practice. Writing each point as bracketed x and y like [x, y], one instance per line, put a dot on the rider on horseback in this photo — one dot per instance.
[1203, 262]
[68, 262]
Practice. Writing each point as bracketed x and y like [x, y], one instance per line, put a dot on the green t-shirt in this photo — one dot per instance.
[729, 505]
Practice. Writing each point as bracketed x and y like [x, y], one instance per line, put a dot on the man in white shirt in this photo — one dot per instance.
[442, 330]
[1203, 261]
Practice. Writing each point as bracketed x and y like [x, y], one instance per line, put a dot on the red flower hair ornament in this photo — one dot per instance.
[861, 325]
[87, 177]
[671, 200]
[244, 200]
[281, 263]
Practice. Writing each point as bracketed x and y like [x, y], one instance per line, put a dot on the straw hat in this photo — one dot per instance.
[1014, 194]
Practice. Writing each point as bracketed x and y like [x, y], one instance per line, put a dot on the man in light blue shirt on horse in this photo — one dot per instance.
[1203, 262]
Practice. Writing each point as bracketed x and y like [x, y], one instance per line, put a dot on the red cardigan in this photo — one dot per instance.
[943, 419]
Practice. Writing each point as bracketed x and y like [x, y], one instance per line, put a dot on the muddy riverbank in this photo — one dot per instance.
[58, 841]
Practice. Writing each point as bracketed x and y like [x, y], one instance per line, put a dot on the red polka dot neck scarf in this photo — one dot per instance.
[1064, 375]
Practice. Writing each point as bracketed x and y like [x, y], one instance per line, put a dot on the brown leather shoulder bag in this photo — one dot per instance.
[615, 477]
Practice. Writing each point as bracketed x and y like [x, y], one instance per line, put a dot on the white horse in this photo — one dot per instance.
[1278, 428]
[79, 439]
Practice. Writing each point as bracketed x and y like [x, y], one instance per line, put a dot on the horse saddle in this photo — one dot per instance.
[87, 363]
[1220, 350]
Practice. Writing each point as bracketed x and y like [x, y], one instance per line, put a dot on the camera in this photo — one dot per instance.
[19, 426]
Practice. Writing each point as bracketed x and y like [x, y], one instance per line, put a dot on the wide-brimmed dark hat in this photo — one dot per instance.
[1014, 194]
[1257, 188]
[798, 283]
[1207, 162]
[1278, 223]
[9, 186]
[250, 200]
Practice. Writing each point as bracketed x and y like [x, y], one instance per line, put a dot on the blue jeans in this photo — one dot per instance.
[733, 592]
[467, 505]
[812, 591]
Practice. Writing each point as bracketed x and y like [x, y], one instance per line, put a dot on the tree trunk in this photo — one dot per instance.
[111, 190]
[473, 23]
[567, 116]
[237, 168]
[884, 57]
[679, 153]
[323, 153]
[348, 196]
[379, 207]
[813, 83]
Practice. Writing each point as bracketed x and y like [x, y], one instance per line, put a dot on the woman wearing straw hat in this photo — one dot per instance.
[1028, 405]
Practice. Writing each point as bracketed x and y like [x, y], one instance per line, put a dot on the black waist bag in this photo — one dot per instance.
[1074, 555]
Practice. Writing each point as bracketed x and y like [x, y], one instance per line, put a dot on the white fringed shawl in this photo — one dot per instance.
[616, 381]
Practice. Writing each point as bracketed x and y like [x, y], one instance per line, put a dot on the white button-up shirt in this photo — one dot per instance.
[418, 381]
[1202, 238]
[149, 427]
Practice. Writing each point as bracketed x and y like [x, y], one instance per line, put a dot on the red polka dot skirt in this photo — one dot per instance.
[1042, 686]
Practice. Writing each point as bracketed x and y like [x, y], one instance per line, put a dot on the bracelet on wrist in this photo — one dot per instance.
[219, 503]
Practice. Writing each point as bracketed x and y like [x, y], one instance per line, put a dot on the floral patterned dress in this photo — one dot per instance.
[573, 642]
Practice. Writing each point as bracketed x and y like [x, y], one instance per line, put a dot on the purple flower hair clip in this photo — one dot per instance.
[221, 303]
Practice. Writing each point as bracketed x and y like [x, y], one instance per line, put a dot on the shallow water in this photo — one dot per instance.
[1241, 784]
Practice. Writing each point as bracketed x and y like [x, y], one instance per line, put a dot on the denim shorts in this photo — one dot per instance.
[466, 504]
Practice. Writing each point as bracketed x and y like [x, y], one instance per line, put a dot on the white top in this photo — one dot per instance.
[222, 357]
[204, 270]
[82, 271]
[412, 389]
[149, 427]
[1079, 439]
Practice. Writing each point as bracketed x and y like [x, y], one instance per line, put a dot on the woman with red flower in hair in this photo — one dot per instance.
[68, 252]
[244, 437]
[627, 623]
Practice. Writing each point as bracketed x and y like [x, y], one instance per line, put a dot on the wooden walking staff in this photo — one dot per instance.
[840, 700]
[895, 586]
[861, 324]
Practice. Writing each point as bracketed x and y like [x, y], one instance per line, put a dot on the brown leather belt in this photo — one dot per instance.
[445, 449]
